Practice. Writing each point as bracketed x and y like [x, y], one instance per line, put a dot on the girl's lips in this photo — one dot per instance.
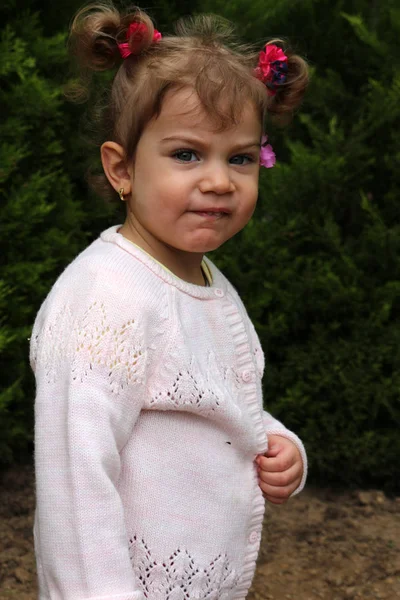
[210, 214]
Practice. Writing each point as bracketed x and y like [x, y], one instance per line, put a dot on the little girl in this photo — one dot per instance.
[152, 450]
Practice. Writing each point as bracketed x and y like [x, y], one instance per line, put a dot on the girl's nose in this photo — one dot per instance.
[217, 179]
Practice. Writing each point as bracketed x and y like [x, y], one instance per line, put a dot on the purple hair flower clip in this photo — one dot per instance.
[267, 155]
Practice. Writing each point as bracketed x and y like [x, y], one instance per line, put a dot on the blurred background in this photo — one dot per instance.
[318, 267]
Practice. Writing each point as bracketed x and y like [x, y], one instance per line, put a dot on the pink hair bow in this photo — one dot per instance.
[137, 31]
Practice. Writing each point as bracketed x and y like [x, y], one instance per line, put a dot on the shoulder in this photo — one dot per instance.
[103, 294]
[105, 274]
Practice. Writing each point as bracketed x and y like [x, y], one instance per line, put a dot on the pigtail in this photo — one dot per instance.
[98, 29]
[93, 34]
[100, 38]
[289, 95]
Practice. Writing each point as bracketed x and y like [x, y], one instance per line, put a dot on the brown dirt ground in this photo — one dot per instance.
[322, 544]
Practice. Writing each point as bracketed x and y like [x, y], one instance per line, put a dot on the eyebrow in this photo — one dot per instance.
[194, 140]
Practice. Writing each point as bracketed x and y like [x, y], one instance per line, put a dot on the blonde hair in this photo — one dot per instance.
[203, 54]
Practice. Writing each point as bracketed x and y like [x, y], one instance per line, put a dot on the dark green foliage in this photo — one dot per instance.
[41, 220]
[319, 266]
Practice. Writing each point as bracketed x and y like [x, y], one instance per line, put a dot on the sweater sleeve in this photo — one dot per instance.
[89, 364]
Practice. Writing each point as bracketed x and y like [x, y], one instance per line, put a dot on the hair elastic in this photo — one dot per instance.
[272, 68]
[137, 31]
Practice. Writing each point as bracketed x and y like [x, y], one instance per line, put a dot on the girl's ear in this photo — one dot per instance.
[115, 166]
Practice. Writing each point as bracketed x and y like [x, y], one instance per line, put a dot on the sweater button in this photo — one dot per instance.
[246, 376]
[218, 292]
[254, 537]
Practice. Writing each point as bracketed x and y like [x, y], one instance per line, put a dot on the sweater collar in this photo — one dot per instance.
[217, 289]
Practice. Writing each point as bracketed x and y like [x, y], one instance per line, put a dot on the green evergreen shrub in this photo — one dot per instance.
[40, 219]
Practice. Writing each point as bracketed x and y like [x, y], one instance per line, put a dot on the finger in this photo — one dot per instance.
[274, 500]
[277, 443]
[281, 479]
[282, 462]
[279, 493]
[273, 450]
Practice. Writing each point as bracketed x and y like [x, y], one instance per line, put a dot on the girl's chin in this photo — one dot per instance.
[203, 245]
[201, 248]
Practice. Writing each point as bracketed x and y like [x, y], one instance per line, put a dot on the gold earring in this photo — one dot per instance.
[121, 194]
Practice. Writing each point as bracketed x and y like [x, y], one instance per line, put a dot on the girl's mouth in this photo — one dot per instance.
[210, 214]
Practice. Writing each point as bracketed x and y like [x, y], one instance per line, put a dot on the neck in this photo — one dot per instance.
[185, 265]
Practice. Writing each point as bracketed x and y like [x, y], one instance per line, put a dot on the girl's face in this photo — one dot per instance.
[193, 188]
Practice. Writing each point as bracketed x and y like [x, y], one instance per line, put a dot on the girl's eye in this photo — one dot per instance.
[241, 159]
[185, 155]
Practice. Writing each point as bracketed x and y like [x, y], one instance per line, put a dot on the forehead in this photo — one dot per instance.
[182, 109]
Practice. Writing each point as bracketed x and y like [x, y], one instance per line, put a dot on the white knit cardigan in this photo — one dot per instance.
[148, 420]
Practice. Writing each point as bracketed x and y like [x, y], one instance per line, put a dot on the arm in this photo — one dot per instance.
[87, 403]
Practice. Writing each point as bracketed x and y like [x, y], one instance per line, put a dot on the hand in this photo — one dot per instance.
[280, 470]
